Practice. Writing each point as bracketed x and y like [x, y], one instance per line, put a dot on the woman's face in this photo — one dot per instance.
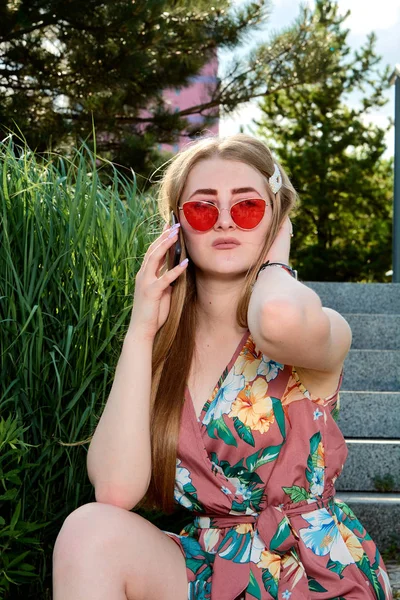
[224, 182]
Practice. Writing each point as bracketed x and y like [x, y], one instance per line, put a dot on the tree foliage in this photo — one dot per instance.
[64, 63]
[334, 157]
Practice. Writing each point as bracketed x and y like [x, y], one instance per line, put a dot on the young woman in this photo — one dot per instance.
[224, 400]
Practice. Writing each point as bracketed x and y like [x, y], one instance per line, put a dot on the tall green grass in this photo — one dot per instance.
[71, 241]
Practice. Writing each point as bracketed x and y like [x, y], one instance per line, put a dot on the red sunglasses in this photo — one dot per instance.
[202, 214]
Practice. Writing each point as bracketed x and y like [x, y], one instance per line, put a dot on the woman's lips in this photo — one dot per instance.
[225, 246]
[225, 243]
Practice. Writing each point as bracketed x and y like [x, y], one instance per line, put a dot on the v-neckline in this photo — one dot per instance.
[222, 377]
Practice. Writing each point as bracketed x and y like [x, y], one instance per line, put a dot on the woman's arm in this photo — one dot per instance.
[289, 324]
[287, 320]
[119, 457]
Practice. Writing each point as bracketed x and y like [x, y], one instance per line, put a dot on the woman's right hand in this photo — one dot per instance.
[152, 297]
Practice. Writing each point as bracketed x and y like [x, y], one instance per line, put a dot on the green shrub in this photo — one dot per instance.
[70, 244]
[16, 543]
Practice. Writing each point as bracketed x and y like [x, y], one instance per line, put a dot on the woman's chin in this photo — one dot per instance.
[224, 271]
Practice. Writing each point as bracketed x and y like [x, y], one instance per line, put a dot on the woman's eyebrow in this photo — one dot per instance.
[206, 191]
[212, 192]
[244, 190]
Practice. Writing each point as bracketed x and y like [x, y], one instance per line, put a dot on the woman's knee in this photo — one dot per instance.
[90, 526]
[132, 546]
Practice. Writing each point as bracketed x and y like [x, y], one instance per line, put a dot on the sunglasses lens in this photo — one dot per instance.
[248, 214]
[200, 215]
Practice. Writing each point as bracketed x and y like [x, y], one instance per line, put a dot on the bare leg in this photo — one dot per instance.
[104, 552]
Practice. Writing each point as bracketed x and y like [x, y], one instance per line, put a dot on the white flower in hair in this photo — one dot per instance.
[275, 181]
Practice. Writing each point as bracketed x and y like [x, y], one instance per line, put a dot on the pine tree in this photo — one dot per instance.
[63, 64]
[335, 160]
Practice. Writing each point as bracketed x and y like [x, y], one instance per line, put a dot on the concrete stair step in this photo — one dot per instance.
[370, 414]
[378, 513]
[367, 298]
[393, 569]
[371, 466]
[374, 332]
[377, 370]
[370, 404]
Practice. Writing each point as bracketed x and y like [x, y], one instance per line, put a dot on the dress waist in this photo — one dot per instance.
[272, 523]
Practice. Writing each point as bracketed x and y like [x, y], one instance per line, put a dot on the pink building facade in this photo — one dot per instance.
[196, 93]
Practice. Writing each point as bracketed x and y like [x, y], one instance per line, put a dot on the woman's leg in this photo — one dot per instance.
[104, 552]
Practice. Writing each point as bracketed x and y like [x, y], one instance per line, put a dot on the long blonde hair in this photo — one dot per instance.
[174, 343]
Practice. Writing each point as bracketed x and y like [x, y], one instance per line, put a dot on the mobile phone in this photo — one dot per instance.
[174, 253]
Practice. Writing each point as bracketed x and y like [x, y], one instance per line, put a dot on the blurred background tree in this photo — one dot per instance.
[335, 160]
[63, 64]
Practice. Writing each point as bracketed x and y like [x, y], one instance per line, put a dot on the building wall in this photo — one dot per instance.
[195, 93]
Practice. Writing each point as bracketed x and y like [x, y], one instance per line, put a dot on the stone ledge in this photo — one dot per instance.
[369, 298]
[374, 332]
[366, 460]
[369, 414]
[377, 370]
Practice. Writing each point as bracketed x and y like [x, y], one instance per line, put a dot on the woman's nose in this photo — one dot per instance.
[224, 219]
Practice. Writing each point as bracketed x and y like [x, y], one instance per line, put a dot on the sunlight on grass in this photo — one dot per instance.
[72, 235]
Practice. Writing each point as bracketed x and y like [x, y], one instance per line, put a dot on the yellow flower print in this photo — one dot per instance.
[248, 361]
[320, 455]
[352, 543]
[270, 561]
[244, 528]
[293, 393]
[253, 407]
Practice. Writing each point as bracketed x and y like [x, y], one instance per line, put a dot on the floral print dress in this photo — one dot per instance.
[257, 469]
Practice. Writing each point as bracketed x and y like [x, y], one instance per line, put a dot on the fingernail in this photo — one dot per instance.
[184, 262]
[173, 233]
[176, 225]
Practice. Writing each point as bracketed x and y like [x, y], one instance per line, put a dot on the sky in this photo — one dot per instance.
[382, 17]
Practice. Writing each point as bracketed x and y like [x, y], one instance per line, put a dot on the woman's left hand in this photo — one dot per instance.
[280, 249]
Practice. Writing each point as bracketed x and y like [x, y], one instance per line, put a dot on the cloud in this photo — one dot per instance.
[366, 15]
[369, 16]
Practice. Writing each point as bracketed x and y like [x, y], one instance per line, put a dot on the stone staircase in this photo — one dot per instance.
[370, 403]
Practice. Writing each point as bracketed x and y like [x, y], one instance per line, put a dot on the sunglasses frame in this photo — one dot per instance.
[220, 209]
